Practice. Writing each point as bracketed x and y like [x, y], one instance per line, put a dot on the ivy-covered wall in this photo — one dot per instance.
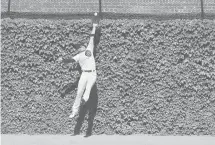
[154, 77]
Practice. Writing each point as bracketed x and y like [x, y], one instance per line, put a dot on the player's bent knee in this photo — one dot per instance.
[86, 97]
[79, 94]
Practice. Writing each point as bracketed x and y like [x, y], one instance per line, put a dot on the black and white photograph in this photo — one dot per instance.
[107, 72]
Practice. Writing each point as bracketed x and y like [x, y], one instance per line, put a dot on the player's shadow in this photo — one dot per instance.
[91, 108]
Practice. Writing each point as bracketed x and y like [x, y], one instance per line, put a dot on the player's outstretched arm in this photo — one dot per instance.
[96, 40]
[91, 42]
[73, 60]
[66, 60]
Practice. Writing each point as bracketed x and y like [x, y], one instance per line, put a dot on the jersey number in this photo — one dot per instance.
[88, 53]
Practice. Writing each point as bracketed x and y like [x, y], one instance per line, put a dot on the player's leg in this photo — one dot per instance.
[81, 87]
[90, 82]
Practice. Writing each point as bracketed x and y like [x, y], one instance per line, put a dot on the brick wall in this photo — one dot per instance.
[4, 5]
[152, 6]
[209, 6]
[158, 6]
[118, 6]
[55, 6]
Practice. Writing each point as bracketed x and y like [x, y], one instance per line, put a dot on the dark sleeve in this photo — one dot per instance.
[79, 68]
[97, 40]
[68, 60]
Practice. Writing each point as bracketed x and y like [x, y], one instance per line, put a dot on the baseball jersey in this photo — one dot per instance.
[86, 60]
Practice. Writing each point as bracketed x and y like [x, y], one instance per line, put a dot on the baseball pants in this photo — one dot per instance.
[85, 84]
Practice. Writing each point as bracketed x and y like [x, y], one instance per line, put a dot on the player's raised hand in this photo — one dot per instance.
[95, 20]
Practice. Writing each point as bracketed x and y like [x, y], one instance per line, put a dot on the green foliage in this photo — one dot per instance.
[154, 77]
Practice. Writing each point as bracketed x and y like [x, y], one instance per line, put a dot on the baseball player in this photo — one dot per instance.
[86, 60]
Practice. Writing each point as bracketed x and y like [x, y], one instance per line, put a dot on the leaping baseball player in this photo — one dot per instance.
[86, 60]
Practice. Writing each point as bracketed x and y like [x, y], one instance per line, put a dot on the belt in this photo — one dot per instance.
[88, 70]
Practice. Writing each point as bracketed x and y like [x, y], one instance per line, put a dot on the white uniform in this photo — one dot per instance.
[87, 79]
[86, 62]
